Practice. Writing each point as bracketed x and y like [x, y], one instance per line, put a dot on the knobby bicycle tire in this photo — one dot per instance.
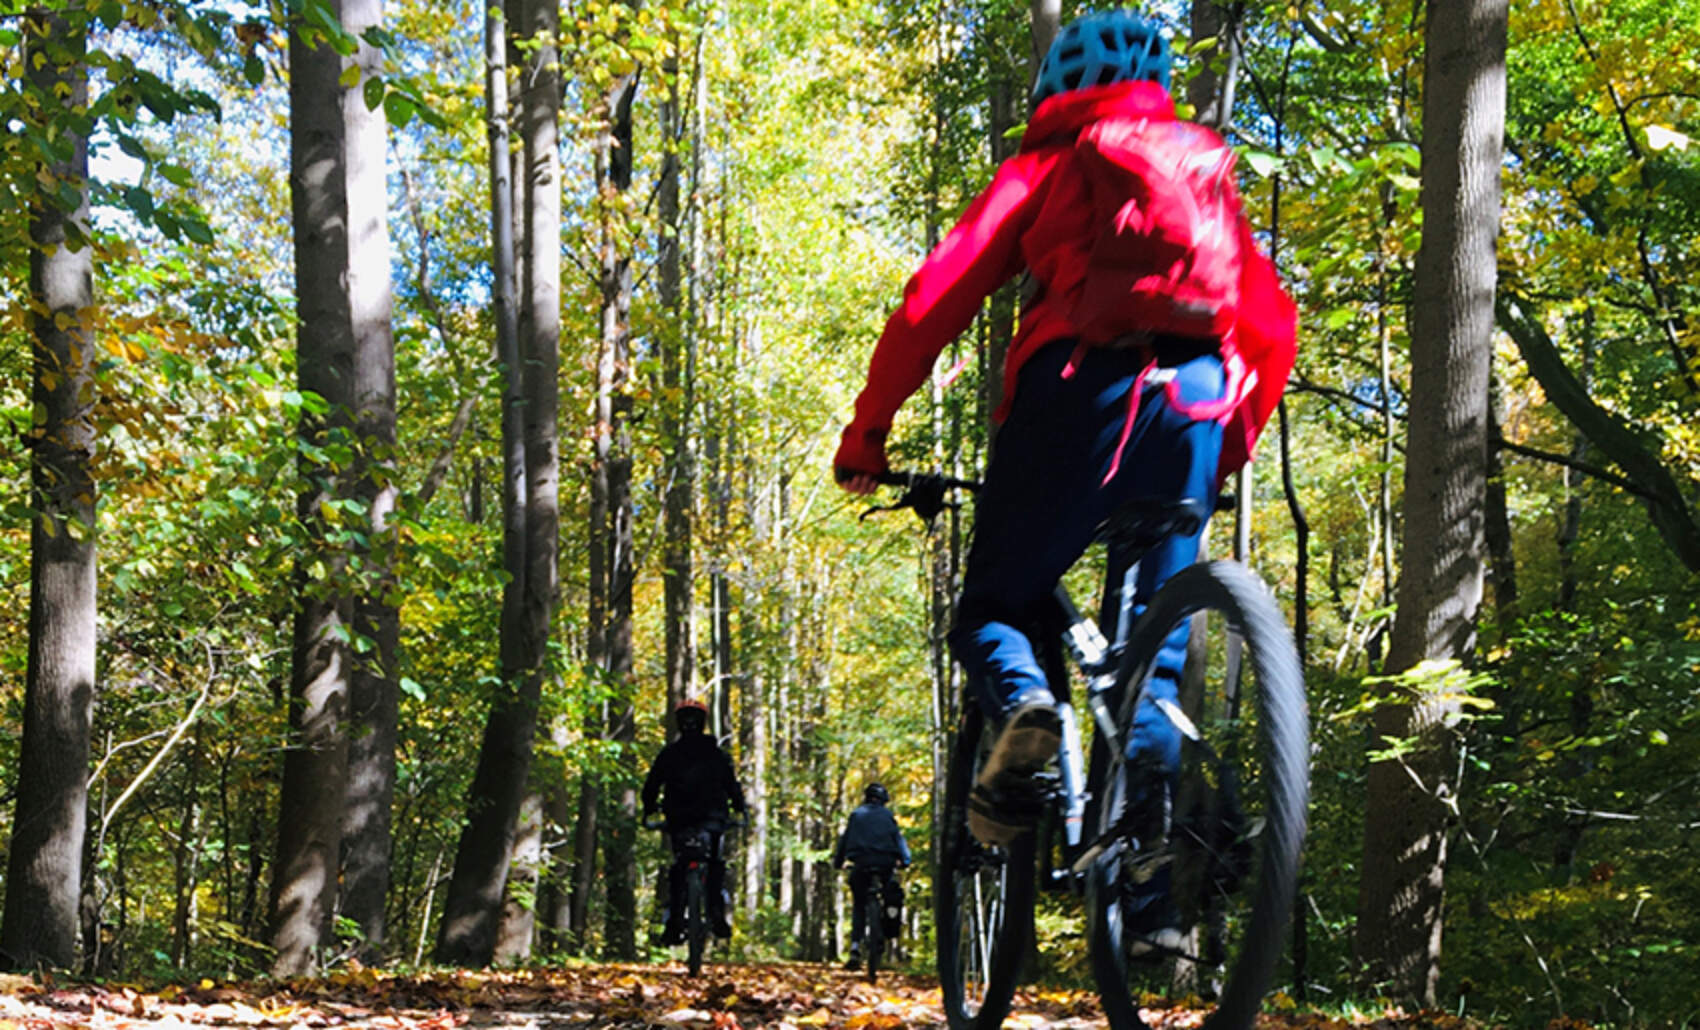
[1263, 788]
[983, 900]
[874, 930]
[696, 918]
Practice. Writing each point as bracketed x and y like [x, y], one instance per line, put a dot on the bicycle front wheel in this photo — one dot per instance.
[983, 899]
[1191, 894]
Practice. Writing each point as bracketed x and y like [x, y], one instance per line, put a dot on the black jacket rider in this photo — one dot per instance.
[696, 785]
[695, 782]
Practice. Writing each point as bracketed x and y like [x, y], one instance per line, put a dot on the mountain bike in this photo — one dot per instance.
[697, 847]
[1224, 835]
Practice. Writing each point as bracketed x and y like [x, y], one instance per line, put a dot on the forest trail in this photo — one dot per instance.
[778, 996]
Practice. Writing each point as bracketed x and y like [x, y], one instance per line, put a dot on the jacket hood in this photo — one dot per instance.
[1067, 113]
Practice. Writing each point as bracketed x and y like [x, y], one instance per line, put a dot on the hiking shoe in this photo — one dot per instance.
[854, 962]
[1004, 803]
[1151, 923]
[1154, 946]
[722, 928]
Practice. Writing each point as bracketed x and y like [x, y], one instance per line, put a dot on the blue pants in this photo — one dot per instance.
[1045, 496]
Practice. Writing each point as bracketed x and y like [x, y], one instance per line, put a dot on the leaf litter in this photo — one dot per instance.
[777, 996]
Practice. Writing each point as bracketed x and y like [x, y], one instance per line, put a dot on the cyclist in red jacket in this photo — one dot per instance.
[1084, 427]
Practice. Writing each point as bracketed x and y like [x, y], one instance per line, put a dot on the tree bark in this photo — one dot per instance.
[1502, 559]
[517, 928]
[1440, 590]
[1211, 91]
[677, 399]
[44, 865]
[374, 696]
[584, 858]
[1047, 22]
[614, 402]
[315, 769]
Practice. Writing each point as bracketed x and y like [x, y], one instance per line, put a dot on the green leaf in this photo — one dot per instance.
[1262, 163]
[399, 110]
[177, 175]
[140, 201]
[374, 93]
[198, 230]
[253, 70]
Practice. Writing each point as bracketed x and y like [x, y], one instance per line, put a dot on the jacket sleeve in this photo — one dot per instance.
[940, 301]
[652, 782]
[838, 852]
[902, 845]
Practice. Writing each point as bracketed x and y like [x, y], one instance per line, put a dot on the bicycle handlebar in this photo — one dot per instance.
[923, 492]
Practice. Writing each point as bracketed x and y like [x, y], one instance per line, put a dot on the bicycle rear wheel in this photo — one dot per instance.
[873, 938]
[983, 899]
[1227, 839]
[696, 917]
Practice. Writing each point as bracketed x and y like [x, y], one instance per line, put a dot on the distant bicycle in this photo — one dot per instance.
[1225, 840]
[882, 909]
[696, 847]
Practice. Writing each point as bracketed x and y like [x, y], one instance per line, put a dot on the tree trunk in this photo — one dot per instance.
[184, 860]
[584, 858]
[518, 925]
[44, 864]
[373, 693]
[531, 511]
[1211, 91]
[1047, 22]
[1502, 560]
[1440, 590]
[315, 768]
[677, 399]
[1570, 524]
[554, 889]
[615, 404]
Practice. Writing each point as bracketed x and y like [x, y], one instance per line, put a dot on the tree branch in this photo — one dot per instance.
[1639, 459]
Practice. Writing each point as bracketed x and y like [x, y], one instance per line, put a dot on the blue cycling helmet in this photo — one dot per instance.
[1098, 49]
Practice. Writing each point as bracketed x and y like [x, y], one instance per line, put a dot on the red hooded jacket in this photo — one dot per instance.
[1036, 215]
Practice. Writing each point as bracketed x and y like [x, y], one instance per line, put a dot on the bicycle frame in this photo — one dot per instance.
[1131, 535]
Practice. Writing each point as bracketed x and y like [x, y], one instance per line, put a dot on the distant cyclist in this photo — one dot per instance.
[873, 844]
[697, 785]
[1101, 405]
